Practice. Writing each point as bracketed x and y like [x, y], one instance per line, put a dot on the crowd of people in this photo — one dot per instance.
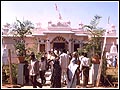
[66, 69]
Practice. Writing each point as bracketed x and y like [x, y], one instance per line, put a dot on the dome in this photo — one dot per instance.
[113, 48]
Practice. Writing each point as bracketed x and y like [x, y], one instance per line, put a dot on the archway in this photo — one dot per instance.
[59, 42]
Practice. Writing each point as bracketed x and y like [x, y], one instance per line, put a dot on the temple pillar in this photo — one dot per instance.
[70, 48]
[48, 46]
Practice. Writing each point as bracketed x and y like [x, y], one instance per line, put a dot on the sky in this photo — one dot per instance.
[73, 11]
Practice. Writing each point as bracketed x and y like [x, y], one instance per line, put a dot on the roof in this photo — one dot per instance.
[53, 32]
[81, 34]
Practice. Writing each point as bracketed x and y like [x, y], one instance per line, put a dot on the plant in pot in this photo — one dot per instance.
[21, 29]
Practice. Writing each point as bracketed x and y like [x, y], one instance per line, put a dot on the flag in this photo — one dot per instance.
[56, 7]
[60, 16]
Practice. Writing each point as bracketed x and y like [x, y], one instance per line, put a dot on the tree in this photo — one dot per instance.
[94, 33]
[21, 29]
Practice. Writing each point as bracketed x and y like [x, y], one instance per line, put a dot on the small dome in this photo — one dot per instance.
[113, 48]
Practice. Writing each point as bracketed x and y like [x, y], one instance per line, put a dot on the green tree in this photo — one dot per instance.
[21, 29]
[94, 42]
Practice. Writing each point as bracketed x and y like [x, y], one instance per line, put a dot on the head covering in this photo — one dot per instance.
[72, 67]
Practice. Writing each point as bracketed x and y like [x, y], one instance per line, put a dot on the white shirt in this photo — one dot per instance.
[32, 73]
[49, 56]
[64, 60]
[42, 65]
[80, 58]
[85, 61]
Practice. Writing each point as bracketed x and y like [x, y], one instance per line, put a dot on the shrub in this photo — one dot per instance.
[6, 73]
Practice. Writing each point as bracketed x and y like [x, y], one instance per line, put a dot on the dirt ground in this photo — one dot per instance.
[48, 86]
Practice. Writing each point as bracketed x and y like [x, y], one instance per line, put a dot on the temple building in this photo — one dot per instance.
[57, 36]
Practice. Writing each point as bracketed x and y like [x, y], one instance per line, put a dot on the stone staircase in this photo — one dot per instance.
[48, 76]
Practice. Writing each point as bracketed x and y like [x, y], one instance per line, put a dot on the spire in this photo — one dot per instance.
[59, 15]
[56, 7]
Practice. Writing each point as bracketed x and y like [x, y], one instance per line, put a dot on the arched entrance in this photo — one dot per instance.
[59, 43]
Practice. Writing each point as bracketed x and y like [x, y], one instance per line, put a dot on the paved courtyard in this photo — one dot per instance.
[47, 84]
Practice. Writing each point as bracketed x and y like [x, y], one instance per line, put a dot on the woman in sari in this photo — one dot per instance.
[56, 74]
[72, 73]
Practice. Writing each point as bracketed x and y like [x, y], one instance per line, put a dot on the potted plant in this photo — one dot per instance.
[21, 29]
[20, 50]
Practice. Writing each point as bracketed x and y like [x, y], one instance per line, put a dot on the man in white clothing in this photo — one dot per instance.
[34, 71]
[85, 63]
[64, 62]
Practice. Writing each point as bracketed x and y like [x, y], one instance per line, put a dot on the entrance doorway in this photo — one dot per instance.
[76, 46]
[59, 46]
[42, 48]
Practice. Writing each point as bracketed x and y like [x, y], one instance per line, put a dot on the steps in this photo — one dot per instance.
[48, 76]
